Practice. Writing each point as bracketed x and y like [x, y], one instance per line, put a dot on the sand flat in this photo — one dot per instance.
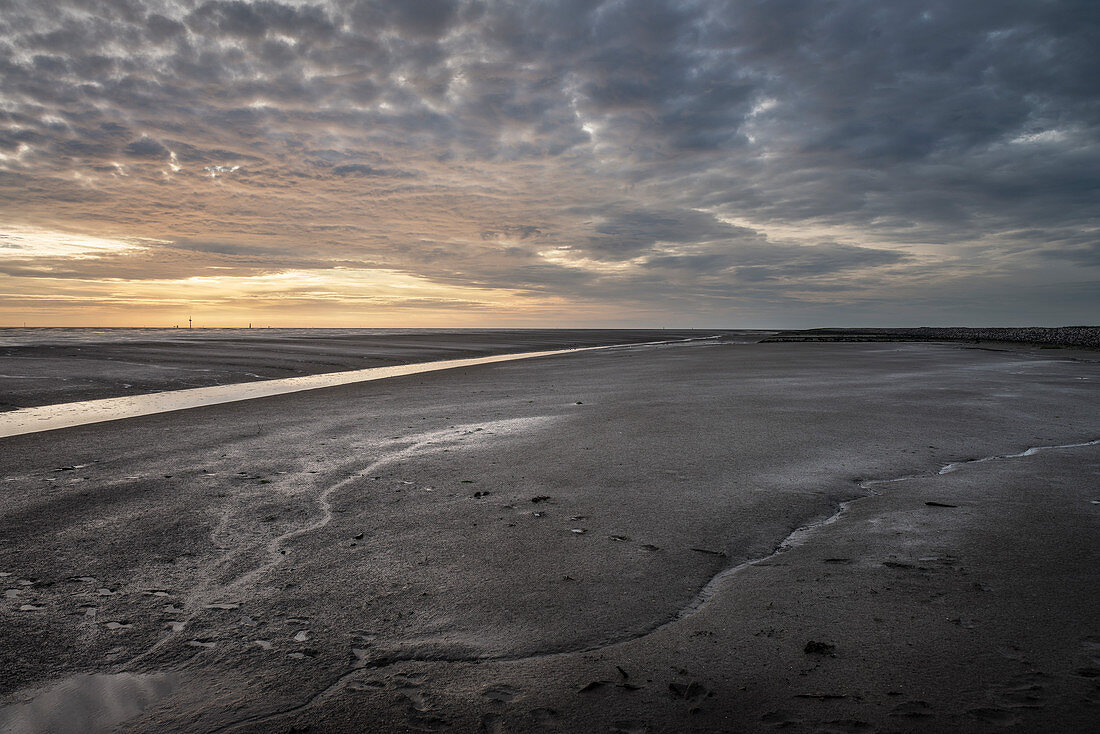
[524, 544]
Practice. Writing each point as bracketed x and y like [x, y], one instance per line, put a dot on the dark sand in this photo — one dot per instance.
[402, 555]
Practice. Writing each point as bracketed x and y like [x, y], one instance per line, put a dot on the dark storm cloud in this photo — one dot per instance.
[644, 149]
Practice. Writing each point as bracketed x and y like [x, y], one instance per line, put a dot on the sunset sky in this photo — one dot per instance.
[479, 163]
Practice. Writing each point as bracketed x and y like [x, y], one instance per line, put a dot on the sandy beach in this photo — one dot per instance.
[699, 537]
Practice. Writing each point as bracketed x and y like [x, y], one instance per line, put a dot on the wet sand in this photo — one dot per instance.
[548, 545]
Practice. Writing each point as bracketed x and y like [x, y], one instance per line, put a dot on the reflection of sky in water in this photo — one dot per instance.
[86, 704]
[67, 415]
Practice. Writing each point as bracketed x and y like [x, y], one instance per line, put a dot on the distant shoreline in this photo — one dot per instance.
[1082, 337]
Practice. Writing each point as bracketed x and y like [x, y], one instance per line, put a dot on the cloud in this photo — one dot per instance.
[146, 148]
[363, 170]
[646, 152]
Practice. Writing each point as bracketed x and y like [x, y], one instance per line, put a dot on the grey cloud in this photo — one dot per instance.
[761, 260]
[146, 148]
[160, 28]
[512, 232]
[1086, 254]
[255, 20]
[361, 170]
[625, 235]
[423, 19]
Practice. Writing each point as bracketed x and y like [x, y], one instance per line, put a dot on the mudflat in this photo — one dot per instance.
[704, 536]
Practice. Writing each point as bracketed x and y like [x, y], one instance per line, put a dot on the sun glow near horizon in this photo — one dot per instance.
[338, 296]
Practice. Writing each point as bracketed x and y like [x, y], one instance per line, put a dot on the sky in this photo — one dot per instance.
[631, 163]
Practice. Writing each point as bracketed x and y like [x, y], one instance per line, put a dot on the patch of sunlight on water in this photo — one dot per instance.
[67, 415]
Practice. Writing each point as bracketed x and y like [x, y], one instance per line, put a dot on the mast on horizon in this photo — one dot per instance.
[188, 322]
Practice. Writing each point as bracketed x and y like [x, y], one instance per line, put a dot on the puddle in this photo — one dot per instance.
[86, 704]
[68, 415]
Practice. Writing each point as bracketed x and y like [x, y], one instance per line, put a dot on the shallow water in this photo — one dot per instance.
[86, 704]
[68, 415]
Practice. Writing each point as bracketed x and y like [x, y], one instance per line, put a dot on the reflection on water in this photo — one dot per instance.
[86, 704]
[67, 415]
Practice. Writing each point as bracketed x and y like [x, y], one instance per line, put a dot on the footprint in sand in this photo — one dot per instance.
[544, 718]
[420, 716]
[302, 636]
[415, 700]
[492, 724]
[118, 625]
[502, 693]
